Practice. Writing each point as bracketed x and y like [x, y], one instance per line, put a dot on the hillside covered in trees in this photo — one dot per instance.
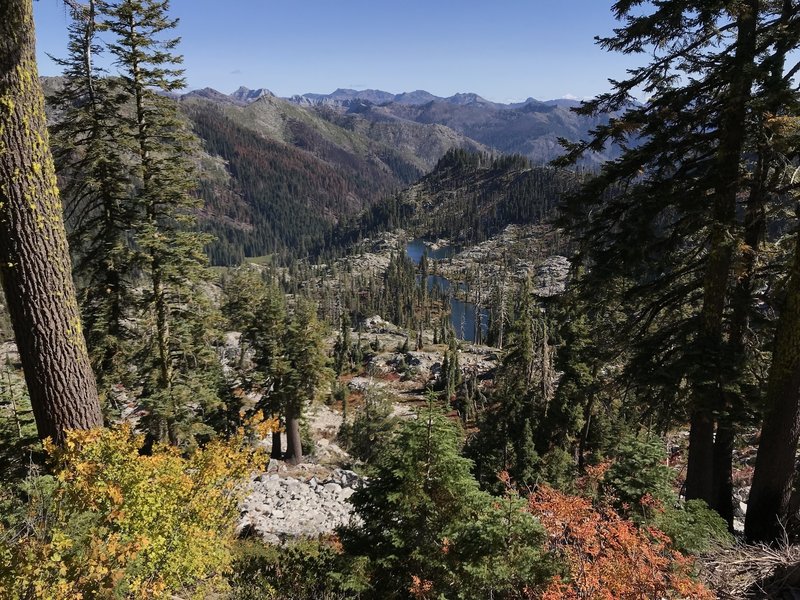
[466, 199]
[619, 419]
[292, 175]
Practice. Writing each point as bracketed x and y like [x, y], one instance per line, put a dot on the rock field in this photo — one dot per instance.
[281, 507]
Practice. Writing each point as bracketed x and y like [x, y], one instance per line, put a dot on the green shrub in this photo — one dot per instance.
[301, 570]
[693, 527]
[641, 484]
[430, 532]
[639, 469]
[558, 469]
[339, 393]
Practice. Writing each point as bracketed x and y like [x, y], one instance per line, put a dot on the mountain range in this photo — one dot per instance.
[531, 128]
[292, 168]
[345, 97]
[278, 174]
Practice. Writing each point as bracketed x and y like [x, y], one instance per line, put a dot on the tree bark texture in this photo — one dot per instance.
[722, 484]
[701, 479]
[294, 447]
[34, 258]
[771, 490]
[276, 452]
[701, 457]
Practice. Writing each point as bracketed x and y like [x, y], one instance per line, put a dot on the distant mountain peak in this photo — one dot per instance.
[211, 94]
[415, 97]
[467, 98]
[565, 102]
[244, 94]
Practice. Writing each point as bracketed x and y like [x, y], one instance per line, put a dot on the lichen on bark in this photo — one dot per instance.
[34, 256]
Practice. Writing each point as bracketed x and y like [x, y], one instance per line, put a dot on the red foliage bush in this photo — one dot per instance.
[608, 557]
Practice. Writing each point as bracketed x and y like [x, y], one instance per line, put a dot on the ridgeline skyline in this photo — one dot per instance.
[522, 50]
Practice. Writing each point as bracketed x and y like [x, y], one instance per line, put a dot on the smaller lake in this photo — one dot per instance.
[416, 248]
[463, 315]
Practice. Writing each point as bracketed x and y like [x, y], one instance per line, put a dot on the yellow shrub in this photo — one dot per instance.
[120, 525]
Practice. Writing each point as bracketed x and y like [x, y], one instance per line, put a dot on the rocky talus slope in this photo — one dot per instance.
[307, 504]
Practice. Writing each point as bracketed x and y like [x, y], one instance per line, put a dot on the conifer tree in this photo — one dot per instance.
[769, 506]
[90, 156]
[776, 143]
[582, 409]
[451, 371]
[342, 351]
[266, 334]
[170, 253]
[306, 374]
[664, 215]
[508, 433]
[244, 291]
[769, 503]
[498, 313]
[424, 519]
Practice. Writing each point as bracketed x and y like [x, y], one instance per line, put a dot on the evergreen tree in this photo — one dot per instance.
[306, 374]
[498, 316]
[664, 215]
[342, 350]
[90, 156]
[451, 371]
[508, 432]
[425, 522]
[265, 333]
[372, 426]
[244, 290]
[769, 507]
[170, 252]
[587, 405]
[185, 412]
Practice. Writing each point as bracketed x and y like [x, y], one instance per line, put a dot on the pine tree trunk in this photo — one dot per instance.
[701, 457]
[34, 258]
[162, 328]
[276, 451]
[294, 448]
[722, 483]
[755, 223]
[771, 490]
[700, 470]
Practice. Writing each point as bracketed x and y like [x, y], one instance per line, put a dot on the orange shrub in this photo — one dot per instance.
[607, 557]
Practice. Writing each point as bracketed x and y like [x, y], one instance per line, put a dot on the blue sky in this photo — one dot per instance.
[506, 50]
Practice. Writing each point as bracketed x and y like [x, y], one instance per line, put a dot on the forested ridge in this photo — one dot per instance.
[312, 422]
[467, 198]
[286, 197]
[272, 162]
[305, 170]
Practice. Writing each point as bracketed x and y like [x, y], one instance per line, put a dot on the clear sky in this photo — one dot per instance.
[504, 50]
